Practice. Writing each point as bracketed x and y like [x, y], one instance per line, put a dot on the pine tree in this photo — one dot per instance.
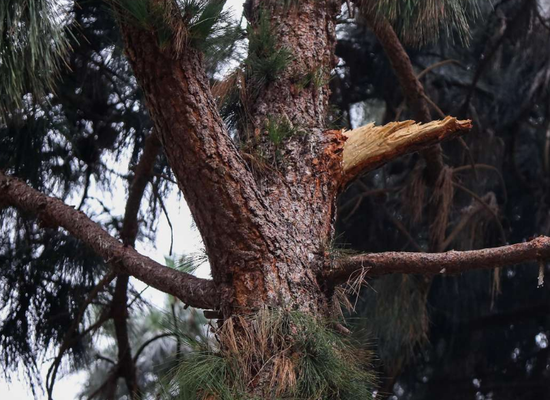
[260, 163]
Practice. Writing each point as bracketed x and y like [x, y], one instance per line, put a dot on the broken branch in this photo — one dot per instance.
[370, 146]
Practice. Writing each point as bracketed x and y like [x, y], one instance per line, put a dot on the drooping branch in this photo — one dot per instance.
[53, 212]
[370, 146]
[451, 262]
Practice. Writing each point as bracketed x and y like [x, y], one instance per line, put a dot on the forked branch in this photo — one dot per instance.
[451, 262]
[370, 146]
[53, 212]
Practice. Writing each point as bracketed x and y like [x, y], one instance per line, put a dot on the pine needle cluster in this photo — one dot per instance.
[266, 61]
[180, 23]
[275, 355]
[420, 22]
[32, 47]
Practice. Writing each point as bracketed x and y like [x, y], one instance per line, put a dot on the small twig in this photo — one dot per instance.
[103, 358]
[148, 342]
[399, 225]
[437, 65]
[487, 207]
[488, 167]
[165, 212]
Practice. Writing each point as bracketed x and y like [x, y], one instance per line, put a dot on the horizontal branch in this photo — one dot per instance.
[370, 146]
[53, 212]
[451, 262]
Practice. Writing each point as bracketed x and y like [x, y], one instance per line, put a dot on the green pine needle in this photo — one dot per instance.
[308, 360]
[32, 47]
[420, 22]
[266, 61]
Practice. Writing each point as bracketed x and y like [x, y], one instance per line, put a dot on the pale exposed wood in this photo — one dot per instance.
[370, 146]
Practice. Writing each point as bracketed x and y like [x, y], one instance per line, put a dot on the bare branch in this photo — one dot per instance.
[369, 146]
[142, 175]
[53, 212]
[451, 262]
[119, 305]
[148, 342]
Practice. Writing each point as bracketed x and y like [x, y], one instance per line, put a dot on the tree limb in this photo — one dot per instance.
[412, 88]
[119, 305]
[53, 212]
[68, 338]
[369, 146]
[451, 262]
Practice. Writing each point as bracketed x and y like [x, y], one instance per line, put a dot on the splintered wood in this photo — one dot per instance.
[370, 146]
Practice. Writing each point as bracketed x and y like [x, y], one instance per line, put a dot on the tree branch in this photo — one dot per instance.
[53, 212]
[68, 339]
[412, 88]
[369, 146]
[142, 175]
[128, 234]
[451, 262]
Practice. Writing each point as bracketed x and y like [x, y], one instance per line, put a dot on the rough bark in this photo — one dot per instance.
[53, 212]
[370, 146]
[451, 262]
[265, 238]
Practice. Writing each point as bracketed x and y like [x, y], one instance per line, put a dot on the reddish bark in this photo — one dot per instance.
[266, 239]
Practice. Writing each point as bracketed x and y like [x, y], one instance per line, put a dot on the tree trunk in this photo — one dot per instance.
[267, 237]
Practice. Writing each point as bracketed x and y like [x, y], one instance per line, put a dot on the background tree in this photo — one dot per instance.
[286, 163]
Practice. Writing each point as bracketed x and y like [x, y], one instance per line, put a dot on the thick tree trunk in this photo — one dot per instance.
[267, 237]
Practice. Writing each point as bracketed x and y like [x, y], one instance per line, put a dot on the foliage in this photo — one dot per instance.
[301, 357]
[266, 60]
[420, 22]
[199, 23]
[32, 48]
[159, 337]
[279, 129]
[395, 311]
[497, 82]
[97, 116]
